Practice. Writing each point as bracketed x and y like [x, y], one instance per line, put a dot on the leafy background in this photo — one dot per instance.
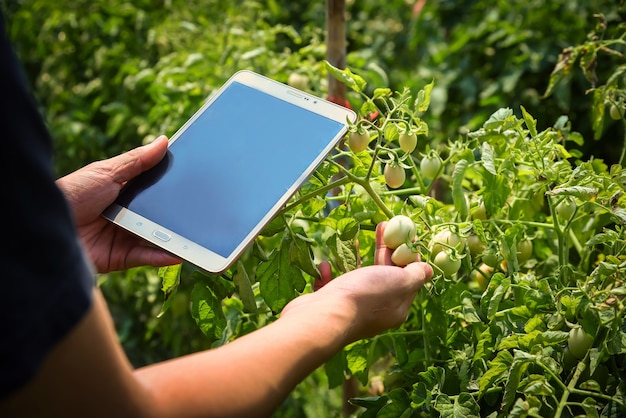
[112, 75]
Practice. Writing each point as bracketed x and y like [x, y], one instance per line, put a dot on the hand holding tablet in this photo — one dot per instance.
[230, 169]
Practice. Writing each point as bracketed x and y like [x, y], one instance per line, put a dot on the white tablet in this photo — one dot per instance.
[230, 169]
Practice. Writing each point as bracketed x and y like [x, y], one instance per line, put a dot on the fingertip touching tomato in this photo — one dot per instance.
[399, 230]
[403, 255]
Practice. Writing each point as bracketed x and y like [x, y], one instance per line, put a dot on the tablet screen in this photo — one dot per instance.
[229, 167]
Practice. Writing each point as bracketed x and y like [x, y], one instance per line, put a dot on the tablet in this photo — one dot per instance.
[230, 169]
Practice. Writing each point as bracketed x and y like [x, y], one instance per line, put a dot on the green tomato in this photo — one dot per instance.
[491, 258]
[358, 142]
[480, 212]
[399, 230]
[524, 251]
[566, 208]
[403, 255]
[475, 245]
[446, 263]
[394, 175]
[481, 275]
[579, 342]
[408, 142]
[615, 113]
[448, 238]
[430, 167]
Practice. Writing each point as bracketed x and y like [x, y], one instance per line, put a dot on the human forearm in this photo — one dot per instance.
[252, 375]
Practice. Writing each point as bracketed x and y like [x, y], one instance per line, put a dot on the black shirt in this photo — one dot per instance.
[46, 282]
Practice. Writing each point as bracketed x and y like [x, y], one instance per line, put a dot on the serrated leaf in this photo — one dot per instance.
[344, 253]
[582, 192]
[422, 101]
[206, 309]
[464, 406]
[279, 278]
[170, 279]
[346, 76]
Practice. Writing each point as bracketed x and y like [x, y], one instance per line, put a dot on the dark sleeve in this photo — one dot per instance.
[47, 283]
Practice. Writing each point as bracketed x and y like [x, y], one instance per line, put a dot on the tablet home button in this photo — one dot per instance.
[162, 235]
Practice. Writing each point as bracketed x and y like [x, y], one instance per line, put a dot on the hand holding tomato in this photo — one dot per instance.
[368, 300]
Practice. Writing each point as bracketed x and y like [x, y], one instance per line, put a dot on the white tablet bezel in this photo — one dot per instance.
[203, 257]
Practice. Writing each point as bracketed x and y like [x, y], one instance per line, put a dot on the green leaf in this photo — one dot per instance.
[458, 194]
[357, 356]
[422, 101]
[301, 255]
[582, 192]
[531, 123]
[487, 158]
[345, 76]
[512, 383]
[170, 279]
[246, 294]
[498, 370]
[344, 253]
[279, 278]
[398, 405]
[206, 309]
[464, 406]
[335, 369]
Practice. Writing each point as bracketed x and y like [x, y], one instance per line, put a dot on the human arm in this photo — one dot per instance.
[91, 189]
[250, 376]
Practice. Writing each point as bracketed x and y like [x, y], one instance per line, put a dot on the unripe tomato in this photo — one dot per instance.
[446, 237]
[403, 255]
[615, 113]
[358, 142]
[298, 81]
[524, 251]
[446, 263]
[481, 275]
[566, 208]
[399, 230]
[430, 166]
[475, 245]
[480, 212]
[579, 342]
[408, 142]
[394, 175]
[491, 258]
